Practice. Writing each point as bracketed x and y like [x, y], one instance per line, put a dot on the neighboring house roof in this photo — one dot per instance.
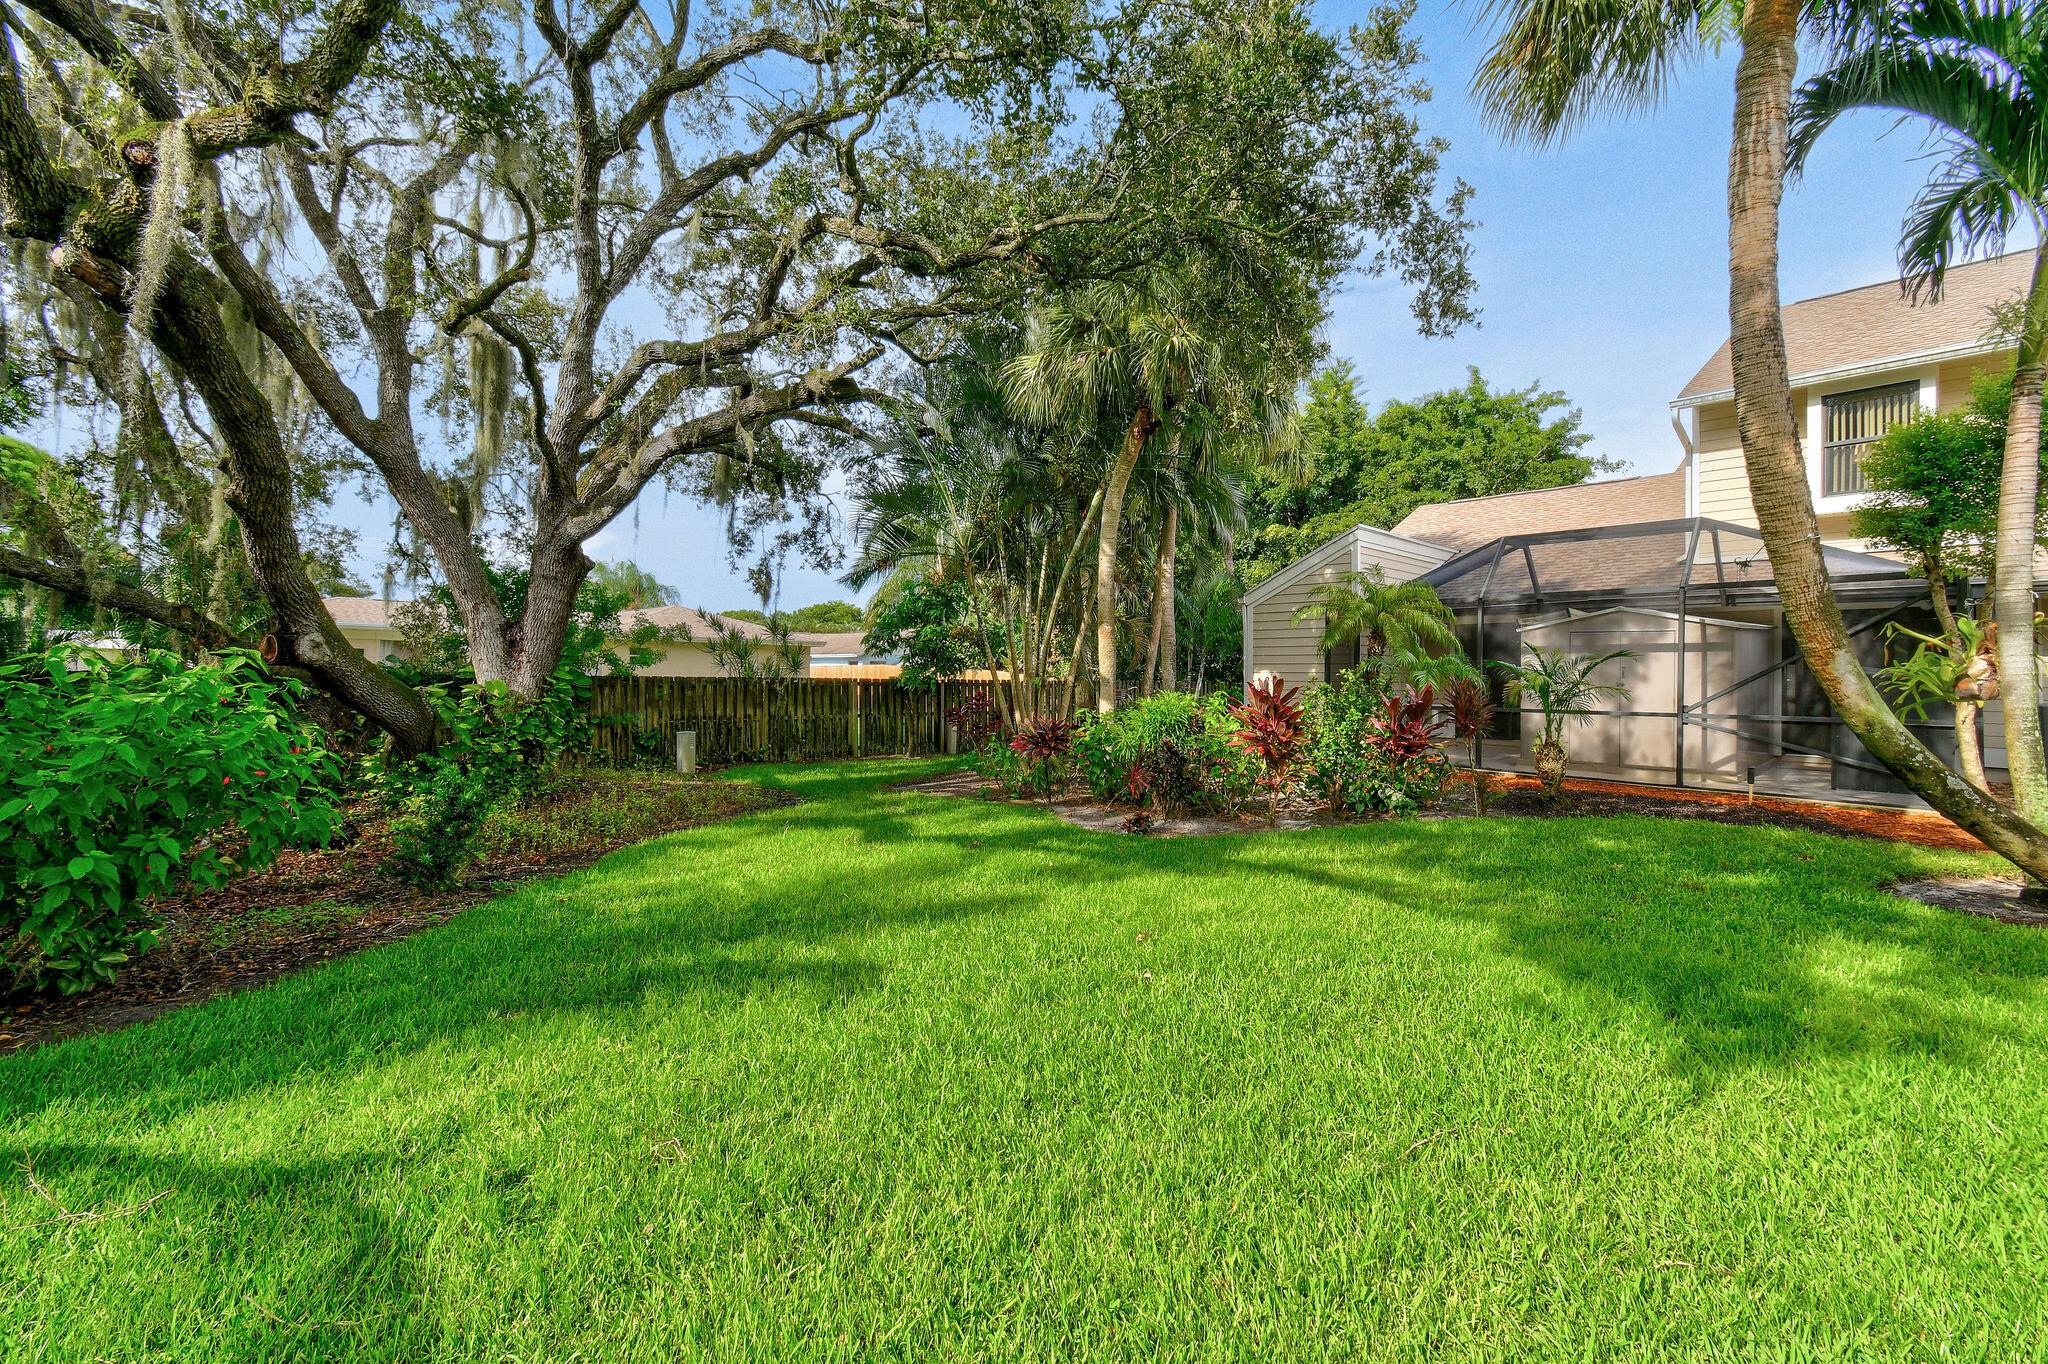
[1878, 324]
[375, 613]
[850, 642]
[362, 613]
[1475, 521]
[702, 625]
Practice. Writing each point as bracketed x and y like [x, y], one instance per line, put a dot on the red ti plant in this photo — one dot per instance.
[1407, 729]
[1470, 708]
[1271, 728]
[1044, 744]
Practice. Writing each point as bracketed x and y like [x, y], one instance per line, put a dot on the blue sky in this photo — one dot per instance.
[1601, 269]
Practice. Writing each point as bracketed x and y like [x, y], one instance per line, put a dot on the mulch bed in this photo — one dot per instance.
[1520, 796]
[311, 907]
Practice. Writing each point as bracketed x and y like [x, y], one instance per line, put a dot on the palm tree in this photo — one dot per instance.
[1563, 688]
[1979, 73]
[1400, 624]
[1558, 61]
[1132, 350]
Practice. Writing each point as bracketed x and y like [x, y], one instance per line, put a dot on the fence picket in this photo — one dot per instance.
[751, 720]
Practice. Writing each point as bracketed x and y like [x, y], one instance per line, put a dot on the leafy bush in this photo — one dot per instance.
[1001, 766]
[1045, 746]
[1272, 729]
[120, 782]
[1183, 746]
[975, 717]
[1372, 750]
[498, 749]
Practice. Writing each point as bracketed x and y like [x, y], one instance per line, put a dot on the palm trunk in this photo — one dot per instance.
[1970, 746]
[1771, 450]
[1105, 557]
[1161, 628]
[2012, 603]
[1169, 570]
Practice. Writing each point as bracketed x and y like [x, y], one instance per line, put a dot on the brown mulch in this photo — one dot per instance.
[1520, 796]
[310, 907]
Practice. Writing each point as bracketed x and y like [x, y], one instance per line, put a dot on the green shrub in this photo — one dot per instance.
[1371, 749]
[1180, 745]
[120, 782]
[1001, 766]
[497, 749]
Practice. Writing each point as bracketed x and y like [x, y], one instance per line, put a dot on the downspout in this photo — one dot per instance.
[1685, 466]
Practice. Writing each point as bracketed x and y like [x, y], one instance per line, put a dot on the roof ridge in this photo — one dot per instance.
[1554, 488]
[1901, 279]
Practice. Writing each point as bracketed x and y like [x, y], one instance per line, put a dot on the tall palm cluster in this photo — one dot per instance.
[1068, 471]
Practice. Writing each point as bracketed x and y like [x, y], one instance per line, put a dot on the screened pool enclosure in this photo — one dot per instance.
[1718, 694]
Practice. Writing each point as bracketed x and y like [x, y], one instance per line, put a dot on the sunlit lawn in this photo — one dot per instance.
[900, 1076]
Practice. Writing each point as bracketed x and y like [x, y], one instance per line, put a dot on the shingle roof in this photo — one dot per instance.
[701, 624]
[1475, 521]
[834, 641]
[360, 612]
[1878, 322]
[363, 613]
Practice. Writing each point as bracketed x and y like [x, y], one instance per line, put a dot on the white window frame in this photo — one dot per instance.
[1815, 444]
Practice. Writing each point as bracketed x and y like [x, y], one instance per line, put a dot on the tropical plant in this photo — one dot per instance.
[974, 718]
[1183, 745]
[1271, 728]
[1373, 747]
[1957, 669]
[1554, 64]
[928, 624]
[1977, 70]
[1469, 710]
[1562, 686]
[124, 782]
[740, 652]
[1044, 745]
[1933, 490]
[636, 587]
[1398, 626]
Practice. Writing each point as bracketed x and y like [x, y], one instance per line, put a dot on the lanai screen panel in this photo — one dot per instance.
[1653, 561]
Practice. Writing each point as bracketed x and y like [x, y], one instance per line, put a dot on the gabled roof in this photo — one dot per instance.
[1369, 537]
[1878, 324]
[1474, 521]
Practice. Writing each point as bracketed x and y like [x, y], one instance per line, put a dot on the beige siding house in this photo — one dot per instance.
[1671, 566]
[1861, 360]
[368, 623]
[1293, 652]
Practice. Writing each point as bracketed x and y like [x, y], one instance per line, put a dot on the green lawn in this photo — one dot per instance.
[898, 1076]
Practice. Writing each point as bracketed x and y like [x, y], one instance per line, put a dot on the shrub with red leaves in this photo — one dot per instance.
[976, 718]
[1044, 746]
[1270, 727]
[1406, 729]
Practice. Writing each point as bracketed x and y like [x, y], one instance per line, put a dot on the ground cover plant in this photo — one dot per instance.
[313, 904]
[889, 1074]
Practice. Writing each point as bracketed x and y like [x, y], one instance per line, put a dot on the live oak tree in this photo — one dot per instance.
[625, 243]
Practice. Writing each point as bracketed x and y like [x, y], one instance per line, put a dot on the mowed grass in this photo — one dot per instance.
[891, 1076]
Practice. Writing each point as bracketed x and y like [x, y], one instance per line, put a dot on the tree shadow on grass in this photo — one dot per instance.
[1762, 948]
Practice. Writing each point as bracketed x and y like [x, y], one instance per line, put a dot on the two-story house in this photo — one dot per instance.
[1861, 361]
[1670, 566]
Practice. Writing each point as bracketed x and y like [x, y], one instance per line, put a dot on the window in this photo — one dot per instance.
[1852, 421]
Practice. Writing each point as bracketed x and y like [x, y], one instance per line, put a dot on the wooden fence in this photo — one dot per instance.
[798, 719]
